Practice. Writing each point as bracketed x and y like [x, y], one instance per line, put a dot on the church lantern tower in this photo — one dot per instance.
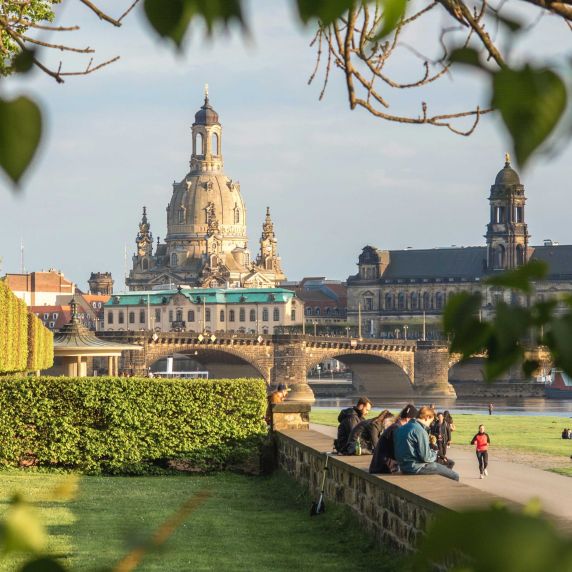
[144, 242]
[268, 258]
[507, 233]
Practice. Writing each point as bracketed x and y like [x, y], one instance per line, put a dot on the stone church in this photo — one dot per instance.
[402, 293]
[206, 243]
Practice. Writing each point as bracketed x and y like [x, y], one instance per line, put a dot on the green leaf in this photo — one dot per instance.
[169, 19]
[20, 133]
[24, 61]
[558, 337]
[531, 102]
[512, 25]
[520, 278]
[460, 321]
[393, 11]
[324, 10]
[467, 56]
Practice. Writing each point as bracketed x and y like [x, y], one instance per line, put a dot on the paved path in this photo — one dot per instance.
[513, 481]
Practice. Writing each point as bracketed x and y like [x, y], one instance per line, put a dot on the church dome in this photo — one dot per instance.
[206, 115]
[507, 175]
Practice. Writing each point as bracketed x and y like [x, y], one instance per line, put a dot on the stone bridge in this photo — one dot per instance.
[285, 358]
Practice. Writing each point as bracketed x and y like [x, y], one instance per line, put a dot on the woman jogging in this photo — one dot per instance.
[482, 441]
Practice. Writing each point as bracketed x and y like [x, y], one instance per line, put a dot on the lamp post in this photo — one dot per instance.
[405, 328]
[318, 367]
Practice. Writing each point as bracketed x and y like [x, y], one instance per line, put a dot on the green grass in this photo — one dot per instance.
[248, 524]
[533, 434]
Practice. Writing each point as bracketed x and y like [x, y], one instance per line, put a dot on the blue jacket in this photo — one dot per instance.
[412, 449]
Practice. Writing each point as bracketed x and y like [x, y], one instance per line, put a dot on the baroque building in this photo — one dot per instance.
[402, 293]
[206, 243]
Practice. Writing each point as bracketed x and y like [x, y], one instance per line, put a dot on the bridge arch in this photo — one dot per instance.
[224, 360]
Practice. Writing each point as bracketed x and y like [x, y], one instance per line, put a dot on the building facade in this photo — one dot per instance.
[200, 310]
[402, 293]
[206, 243]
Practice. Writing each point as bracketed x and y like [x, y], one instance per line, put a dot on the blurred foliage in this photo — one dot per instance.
[514, 327]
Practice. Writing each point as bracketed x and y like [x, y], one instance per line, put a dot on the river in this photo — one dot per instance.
[516, 406]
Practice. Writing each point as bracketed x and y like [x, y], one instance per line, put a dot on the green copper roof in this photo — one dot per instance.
[206, 295]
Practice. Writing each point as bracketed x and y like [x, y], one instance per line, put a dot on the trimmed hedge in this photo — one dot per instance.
[40, 345]
[13, 331]
[128, 425]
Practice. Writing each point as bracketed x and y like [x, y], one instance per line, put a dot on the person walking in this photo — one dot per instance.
[482, 442]
[440, 429]
[491, 407]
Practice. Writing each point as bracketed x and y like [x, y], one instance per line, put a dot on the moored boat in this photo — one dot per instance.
[560, 386]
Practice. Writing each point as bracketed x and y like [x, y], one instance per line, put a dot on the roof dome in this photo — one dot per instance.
[507, 175]
[206, 115]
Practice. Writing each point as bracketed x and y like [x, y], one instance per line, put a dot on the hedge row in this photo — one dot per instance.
[128, 425]
[13, 331]
[40, 345]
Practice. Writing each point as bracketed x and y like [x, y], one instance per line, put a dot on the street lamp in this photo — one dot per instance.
[405, 328]
[318, 367]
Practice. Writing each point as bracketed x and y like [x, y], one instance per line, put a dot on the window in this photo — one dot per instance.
[317, 311]
[46, 316]
[52, 325]
[368, 304]
[328, 311]
[308, 311]
[221, 316]
[191, 316]
[439, 300]
[157, 315]
[498, 257]
[242, 315]
[214, 144]
[145, 264]
[388, 301]
[54, 316]
[519, 255]
[252, 315]
[174, 261]
[207, 314]
[181, 216]
[179, 315]
[276, 314]
[236, 215]
[231, 315]
[121, 318]
[170, 315]
[293, 315]
[199, 144]
[401, 301]
[110, 317]
[414, 301]
[265, 314]
[141, 316]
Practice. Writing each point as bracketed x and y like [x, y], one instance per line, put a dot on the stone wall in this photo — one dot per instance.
[395, 509]
[498, 389]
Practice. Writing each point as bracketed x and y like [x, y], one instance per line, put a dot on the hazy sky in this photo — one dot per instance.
[335, 179]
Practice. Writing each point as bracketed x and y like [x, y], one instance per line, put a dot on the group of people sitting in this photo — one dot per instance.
[398, 444]
[566, 433]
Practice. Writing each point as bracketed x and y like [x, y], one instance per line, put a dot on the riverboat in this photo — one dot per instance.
[560, 386]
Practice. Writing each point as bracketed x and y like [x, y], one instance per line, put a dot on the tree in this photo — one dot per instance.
[359, 37]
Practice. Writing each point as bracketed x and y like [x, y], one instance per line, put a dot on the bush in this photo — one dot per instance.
[128, 425]
[40, 345]
[13, 331]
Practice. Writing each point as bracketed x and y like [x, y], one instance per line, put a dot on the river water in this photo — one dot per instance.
[516, 406]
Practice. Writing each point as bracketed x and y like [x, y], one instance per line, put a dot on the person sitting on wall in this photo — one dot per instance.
[367, 432]
[412, 450]
[277, 396]
[383, 460]
[348, 419]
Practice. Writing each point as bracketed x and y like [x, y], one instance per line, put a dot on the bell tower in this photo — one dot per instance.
[507, 233]
[207, 139]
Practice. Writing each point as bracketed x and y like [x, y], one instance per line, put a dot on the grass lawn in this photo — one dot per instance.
[533, 434]
[249, 523]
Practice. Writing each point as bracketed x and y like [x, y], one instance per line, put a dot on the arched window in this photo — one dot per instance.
[276, 314]
[199, 147]
[174, 261]
[439, 300]
[145, 264]
[308, 311]
[519, 255]
[426, 300]
[414, 301]
[231, 315]
[236, 214]
[252, 316]
[328, 311]
[181, 216]
[401, 301]
[317, 311]
[389, 301]
[242, 315]
[499, 257]
[191, 316]
[221, 316]
[265, 314]
[141, 316]
[131, 317]
[214, 144]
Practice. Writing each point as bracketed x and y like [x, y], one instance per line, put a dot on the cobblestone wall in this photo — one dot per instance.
[394, 516]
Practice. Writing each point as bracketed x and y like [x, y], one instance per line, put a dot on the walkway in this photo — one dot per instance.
[512, 481]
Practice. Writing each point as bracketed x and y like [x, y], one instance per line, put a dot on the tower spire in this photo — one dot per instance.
[506, 159]
[206, 92]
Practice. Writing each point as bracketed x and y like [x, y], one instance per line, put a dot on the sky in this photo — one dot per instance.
[335, 179]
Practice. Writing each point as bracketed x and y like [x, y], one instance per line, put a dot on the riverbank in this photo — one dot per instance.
[531, 440]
